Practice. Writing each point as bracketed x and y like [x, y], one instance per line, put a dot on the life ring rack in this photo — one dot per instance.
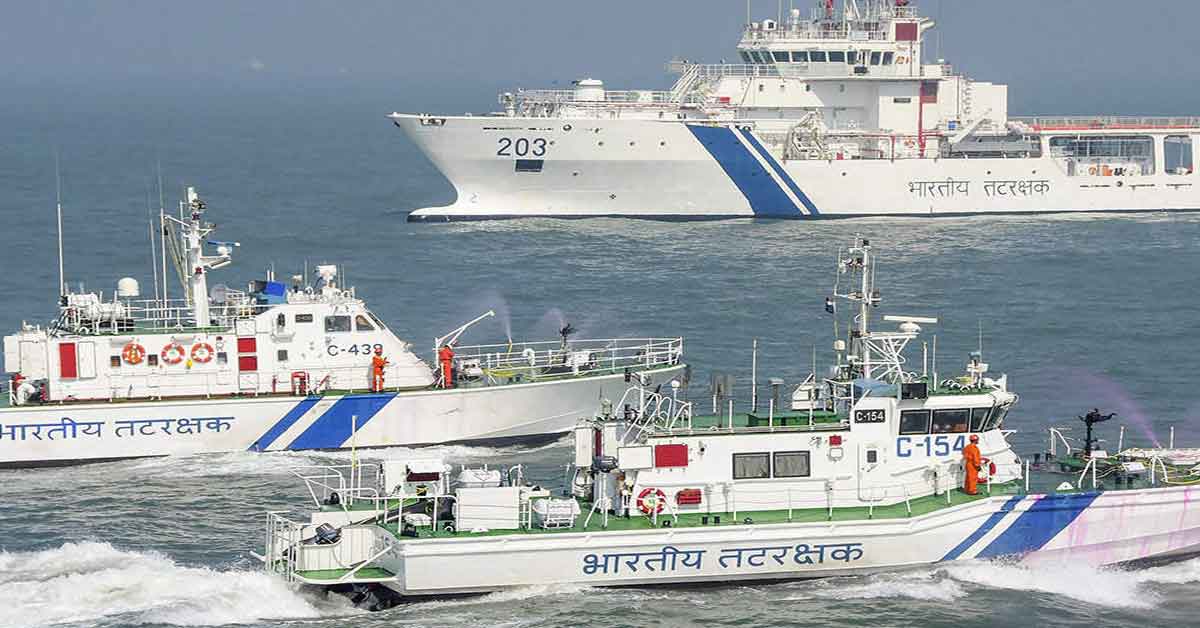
[173, 353]
[133, 353]
[651, 500]
[202, 353]
[530, 356]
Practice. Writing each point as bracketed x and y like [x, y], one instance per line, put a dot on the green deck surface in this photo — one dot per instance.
[920, 506]
[366, 573]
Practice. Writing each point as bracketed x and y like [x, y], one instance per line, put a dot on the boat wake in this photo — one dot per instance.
[96, 584]
[1111, 587]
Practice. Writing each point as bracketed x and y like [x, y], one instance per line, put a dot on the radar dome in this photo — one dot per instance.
[127, 288]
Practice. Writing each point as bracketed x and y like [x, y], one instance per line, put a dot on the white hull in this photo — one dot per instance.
[1087, 528]
[654, 169]
[81, 432]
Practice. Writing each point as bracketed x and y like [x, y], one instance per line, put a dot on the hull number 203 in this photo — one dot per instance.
[521, 147]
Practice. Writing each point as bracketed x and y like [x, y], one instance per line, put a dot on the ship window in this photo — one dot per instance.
[876, 57]
[378, 323]
[1177, 151]
[222, 357]
[281, 355]
[115, 361]
[902, 101]
[304, 318]
[817, 56]
[887, 58]
[914, 422]
[337, 323]
[997, 419]
[152, 359]
[950, 421]
[529, 165]
[751, 466]
[979, 418]
[746, 56]
[791, 464]
[800, 57]
[362, 324]
[837, 56]
[782, 56]
[852, 57]
[754, 55]
[1137, 151]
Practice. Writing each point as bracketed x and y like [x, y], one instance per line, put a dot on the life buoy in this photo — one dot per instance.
[651, 500]
[202, 353]
[1092, 171]
[133, 353]
[901, 60]
[172, 353]
[530, 355]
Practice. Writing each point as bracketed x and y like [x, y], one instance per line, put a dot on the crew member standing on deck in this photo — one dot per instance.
[377, 365]
[446, 358]
[972, 462]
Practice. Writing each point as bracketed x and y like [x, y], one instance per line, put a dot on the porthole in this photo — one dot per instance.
[633, 143]
[662, 143]
[567, 127]
[600, 143]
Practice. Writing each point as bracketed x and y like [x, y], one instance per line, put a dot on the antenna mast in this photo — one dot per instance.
[62, 280]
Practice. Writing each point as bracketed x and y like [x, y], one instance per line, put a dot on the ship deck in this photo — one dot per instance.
[914, 508]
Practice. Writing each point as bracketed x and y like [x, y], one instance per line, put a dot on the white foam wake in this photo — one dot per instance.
[1111, 587]
[93, 584]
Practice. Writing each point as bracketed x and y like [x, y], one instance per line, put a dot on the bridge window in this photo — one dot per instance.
[529, 165]
[362, 324]
[951, 421]
[876, 58]
[837, 56]
[759, 57]
[997, 418]
[888, 57]
[746, 56]
[914, 422]
[979, 418]
[1177, 150]
[782, 56]
[751, 466]
[792, 464]
[816, 56]
[800, 56]
[337, 323]
[852, 57]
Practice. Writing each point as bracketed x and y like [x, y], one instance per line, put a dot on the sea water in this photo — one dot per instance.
[1081, 311]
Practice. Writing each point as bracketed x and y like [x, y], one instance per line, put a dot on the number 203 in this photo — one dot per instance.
[521, 147]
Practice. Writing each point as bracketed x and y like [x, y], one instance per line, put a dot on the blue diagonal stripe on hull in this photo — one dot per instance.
[783, 175]
[986, 527]
[333, 428]
[1035, 527]
[284, 423]
[765, 196]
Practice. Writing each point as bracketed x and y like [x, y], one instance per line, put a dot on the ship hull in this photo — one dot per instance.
[45, 435]
[680, 170]
[1095, 529]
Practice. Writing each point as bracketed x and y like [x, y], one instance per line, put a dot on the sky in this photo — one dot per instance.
[1058, 56]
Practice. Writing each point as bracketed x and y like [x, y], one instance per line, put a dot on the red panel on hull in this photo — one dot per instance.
[68, 367]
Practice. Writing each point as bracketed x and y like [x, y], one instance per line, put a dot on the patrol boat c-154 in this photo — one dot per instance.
[863, 473]
[278, 367]
[825, 114]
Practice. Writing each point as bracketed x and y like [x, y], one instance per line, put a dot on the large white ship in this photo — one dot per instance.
[835, 113]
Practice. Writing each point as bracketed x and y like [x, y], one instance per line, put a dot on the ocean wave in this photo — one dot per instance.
[96, 584]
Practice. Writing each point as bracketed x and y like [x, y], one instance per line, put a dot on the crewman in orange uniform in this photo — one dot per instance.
[972, 462]
[377, 365]
[446, 358]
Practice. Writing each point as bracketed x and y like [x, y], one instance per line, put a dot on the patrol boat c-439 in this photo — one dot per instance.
[278, 367]
[878, 467]
[831, 113]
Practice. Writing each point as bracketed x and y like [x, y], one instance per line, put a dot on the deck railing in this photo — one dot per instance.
[1094, 123]
[549, 359]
